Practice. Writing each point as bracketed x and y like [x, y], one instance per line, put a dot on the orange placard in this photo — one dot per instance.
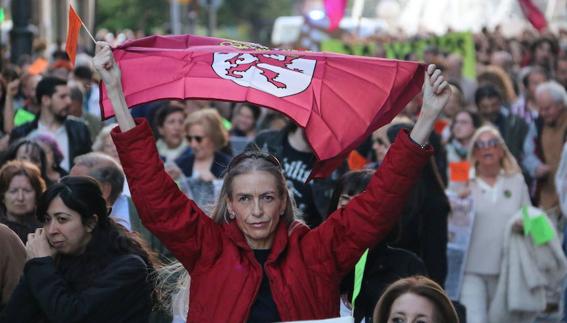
[459, 171]
[440, 125]
[356, 161]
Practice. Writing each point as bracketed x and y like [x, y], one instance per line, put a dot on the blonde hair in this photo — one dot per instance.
[174, 285]
[508, 163]
[211, 121]
[101, 137]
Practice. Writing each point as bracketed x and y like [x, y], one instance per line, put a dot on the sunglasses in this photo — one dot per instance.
[198, 139]
[487, 144]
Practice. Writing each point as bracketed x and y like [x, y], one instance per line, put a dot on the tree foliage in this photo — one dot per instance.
[255, 16]
[143, 15]
[258, 14]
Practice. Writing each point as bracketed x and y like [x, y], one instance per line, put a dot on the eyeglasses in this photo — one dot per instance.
[198, 139]
[486, 144]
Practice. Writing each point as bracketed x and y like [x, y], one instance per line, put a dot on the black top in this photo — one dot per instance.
[121, 292]
[384, 266]
[297, 166]
[264, 309]
[186, 160]
[21, 229]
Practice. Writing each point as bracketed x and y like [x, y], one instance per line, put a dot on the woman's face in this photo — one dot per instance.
[488, 150]
[19, 199]
[257, 207]
[380, 146]
[200, 143]
[65, 229]
[463, 128]
[244, 119]
[28, 153]
[172, 129]
[412, 308]
[453, 106]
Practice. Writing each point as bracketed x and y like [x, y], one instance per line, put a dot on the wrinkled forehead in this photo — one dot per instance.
[254, 182]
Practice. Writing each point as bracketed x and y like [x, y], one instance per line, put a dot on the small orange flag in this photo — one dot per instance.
[459, 171]
[73, 28]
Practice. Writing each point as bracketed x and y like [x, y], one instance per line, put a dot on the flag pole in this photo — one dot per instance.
[88, 32]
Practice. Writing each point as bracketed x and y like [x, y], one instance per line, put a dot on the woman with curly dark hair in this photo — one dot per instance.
[82, 266]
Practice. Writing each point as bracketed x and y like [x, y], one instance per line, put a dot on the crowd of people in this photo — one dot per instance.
[205, 205]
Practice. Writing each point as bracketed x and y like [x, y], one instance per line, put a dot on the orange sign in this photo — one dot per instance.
[440, 125]
[356, 161]
[459, 171]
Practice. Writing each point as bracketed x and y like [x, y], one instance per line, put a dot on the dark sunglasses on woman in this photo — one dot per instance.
[198, 139]
[486, 144]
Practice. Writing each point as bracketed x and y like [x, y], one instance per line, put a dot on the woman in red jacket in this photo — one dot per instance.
[251, 261]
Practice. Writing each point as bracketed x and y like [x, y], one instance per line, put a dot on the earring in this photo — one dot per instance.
[231, 215]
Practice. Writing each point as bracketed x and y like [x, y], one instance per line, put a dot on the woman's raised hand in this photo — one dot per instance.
[106, 66]
[38, 246]
[436, 93]
[110, 73]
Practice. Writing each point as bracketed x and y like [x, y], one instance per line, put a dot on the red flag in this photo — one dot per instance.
[534, 15]
[335, 11]
[338, 99]
[73, 28]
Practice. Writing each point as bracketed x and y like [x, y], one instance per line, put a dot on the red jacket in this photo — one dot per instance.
[305, 266]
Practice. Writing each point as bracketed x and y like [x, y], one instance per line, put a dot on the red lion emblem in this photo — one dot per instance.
[236, 66]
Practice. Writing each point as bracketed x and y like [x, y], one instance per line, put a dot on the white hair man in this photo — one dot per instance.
[108, 173]
[551, 133]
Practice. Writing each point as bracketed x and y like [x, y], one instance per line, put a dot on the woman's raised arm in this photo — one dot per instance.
[177, 221]
[110, 72]
[436, 93]
[369, 217]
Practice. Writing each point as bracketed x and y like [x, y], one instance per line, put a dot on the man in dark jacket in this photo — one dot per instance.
[512, 128]
[73, 136]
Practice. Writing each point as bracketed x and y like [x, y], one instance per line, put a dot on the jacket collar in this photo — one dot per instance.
[279, 245]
